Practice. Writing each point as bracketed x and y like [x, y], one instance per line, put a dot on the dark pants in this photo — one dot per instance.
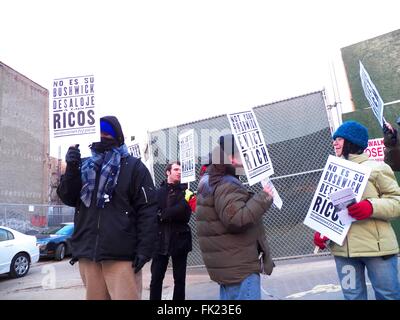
[159, 267]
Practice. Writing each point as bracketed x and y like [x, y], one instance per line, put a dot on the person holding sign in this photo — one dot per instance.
[371, 242]
[392, 146]
[115, 217]
[230, 228]
[174, 234]
[190, 196]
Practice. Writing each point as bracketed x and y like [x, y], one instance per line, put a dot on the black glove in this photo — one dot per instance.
[139, 262]
[73, 156]
[385, 129]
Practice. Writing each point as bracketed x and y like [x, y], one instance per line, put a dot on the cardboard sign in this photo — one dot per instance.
[338, 174]
[134, 150]
[341, 199]
[277, 202]
[186, 156]
[73, 116]
[250, 142]
[375, 149]
[372, 94]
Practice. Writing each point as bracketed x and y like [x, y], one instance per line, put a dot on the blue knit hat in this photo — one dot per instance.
[354, 132]
[106, 127]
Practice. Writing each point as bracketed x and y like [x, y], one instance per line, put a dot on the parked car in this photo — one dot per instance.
[54, 242]
[17, 252]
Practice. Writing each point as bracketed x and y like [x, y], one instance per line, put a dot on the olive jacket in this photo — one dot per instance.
[374, 236]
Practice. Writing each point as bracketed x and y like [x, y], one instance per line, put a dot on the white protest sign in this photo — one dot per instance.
[338, 174]
[186, 156]
[375, 149]
[250, 142]
[341, 199]
[372, 94]
[134, 150]
[277, 199]
[73, 117]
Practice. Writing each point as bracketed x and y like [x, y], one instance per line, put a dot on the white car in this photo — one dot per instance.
[17, 252]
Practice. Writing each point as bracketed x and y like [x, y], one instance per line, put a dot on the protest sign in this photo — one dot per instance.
[134, 150]
[341, 199]
[186, 156]
[250, 142]
[338, 174]
[372, 94]
[277, 199]
[73, 115]
[375, 149]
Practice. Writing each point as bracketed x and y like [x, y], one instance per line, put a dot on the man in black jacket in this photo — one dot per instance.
[392, 146]
[115, 217]
[174, 234]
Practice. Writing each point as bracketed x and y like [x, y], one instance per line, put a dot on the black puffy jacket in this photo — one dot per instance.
[126, 226]
[392, 150]
[174, 233]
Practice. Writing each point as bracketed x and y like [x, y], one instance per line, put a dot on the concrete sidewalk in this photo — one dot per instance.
[312, 278]
[309, 278]
[295, 279]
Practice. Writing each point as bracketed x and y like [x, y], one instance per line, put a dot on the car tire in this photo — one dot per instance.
[60, 252]
[19, 265]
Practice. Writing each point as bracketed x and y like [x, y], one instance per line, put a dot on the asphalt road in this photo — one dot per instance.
[46, 280]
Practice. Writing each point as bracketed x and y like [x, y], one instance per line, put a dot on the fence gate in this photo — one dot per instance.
[299, 141]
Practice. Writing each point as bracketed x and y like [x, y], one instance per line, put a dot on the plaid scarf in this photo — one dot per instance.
[109, 165]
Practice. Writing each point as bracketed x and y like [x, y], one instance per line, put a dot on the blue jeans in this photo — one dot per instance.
[383, 274]
[248, 289]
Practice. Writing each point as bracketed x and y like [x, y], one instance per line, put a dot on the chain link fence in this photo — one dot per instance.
[33, 218]
[299, 141]
[298, 137]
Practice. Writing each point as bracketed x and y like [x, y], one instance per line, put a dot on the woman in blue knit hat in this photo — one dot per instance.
[371, 242]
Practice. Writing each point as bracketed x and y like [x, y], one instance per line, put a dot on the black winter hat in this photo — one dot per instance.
[113, 121]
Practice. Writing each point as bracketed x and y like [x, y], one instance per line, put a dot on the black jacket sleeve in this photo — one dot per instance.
[392, 150]
[70, 186]
[145, 204]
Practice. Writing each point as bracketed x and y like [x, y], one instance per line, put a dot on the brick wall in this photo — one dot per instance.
[24, 139]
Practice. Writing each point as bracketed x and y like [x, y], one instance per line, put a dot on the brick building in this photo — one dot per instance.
[24, 139]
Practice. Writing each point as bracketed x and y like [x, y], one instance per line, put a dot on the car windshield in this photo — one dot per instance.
[65, 230]
[51, 230]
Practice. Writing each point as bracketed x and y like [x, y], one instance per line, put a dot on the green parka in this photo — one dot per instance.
[374, 236]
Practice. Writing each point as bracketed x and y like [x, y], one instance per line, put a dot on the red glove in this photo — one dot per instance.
[361, 210]
[192, 203]
[320, 242]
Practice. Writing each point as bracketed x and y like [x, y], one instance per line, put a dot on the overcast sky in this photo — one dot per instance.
[166, 62]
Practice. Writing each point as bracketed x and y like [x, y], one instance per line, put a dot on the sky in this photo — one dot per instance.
[160, 63]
